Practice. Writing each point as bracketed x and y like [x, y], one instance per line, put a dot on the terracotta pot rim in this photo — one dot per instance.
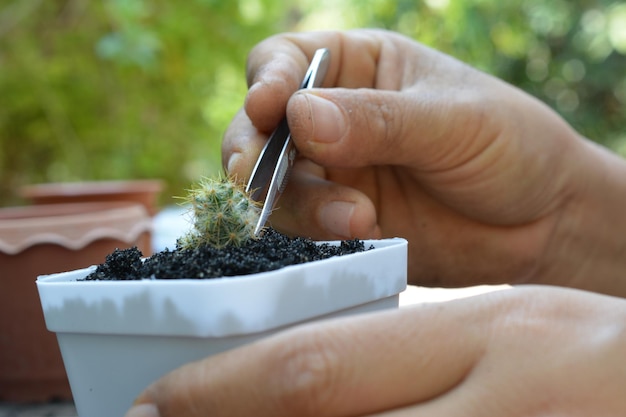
[72, 226]
[68, 189]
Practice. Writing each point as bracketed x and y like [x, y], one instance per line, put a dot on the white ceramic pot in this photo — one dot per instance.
[116, 337]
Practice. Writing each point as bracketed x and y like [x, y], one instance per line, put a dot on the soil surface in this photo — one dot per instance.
[271, 251]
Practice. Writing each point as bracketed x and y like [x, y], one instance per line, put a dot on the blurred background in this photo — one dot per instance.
[126, 89]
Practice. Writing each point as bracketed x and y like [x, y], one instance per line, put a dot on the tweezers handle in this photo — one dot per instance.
[271, 172]
[258, 186]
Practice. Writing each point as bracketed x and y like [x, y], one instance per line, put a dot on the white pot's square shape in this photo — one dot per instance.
[116, 337]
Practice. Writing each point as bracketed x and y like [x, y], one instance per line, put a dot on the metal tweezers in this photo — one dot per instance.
[271, 172]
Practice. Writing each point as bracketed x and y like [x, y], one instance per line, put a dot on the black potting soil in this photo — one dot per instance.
[271, 251]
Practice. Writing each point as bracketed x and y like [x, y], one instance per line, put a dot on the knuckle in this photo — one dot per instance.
[382, 119]
[305, 374]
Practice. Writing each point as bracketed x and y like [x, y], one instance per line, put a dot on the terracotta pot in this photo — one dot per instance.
[39, 239]
[144, 192]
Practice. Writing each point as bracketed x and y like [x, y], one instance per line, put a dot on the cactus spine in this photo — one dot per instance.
[223, 214]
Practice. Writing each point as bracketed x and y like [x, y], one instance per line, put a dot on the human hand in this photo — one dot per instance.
[525, 352]
[486, 183]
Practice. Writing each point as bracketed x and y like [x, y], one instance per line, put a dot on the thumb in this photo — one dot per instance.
[354, 128]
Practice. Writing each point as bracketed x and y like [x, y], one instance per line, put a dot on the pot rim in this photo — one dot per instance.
[225, 306]
[72, 225]
[70, 189]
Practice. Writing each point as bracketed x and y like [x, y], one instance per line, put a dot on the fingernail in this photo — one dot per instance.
[143, 410]
[232, 162]
[328, 121]
[335, 217]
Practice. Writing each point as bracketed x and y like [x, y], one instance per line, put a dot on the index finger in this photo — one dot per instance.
[344, 367]
[277, 65]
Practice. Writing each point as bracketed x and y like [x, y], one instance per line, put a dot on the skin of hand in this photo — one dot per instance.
[523, 352]
[488, 184]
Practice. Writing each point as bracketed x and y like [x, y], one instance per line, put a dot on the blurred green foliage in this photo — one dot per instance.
[569, 54]
[120, 89]
[145, 88]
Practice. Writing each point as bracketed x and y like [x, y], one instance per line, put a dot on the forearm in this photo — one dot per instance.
[588, 247]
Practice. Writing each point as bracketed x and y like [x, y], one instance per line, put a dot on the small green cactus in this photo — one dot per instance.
[223, 214]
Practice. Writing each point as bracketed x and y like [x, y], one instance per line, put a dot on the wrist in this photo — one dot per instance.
[588, 246]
